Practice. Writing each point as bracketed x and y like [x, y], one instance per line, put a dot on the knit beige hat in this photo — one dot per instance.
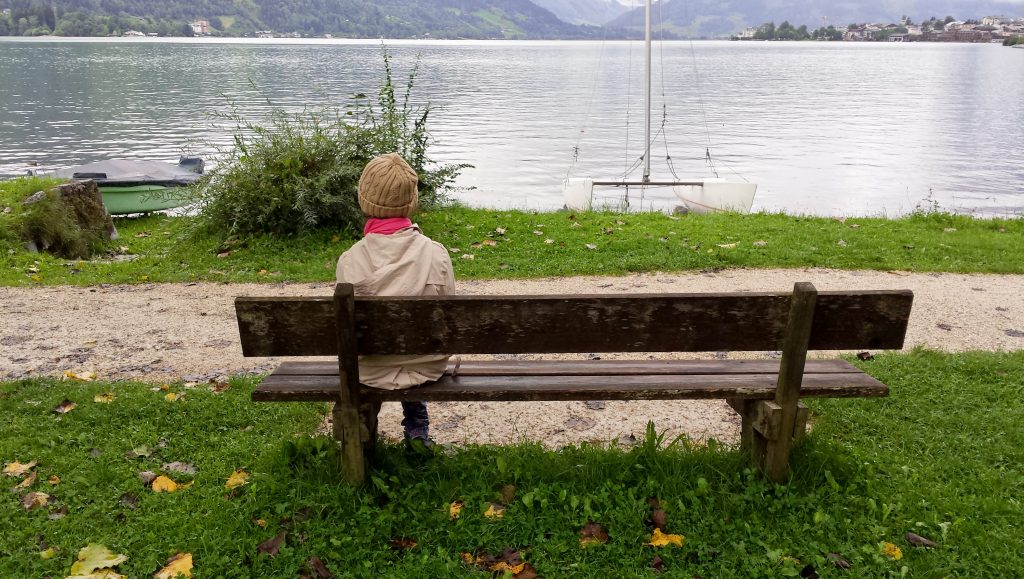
[387, 187]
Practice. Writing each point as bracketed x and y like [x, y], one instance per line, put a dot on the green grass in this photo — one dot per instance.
[940, 457]
[166, 252]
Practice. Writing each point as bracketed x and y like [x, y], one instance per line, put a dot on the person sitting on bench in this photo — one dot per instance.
[394, 258]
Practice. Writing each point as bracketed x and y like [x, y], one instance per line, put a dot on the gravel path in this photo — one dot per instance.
[163, 332]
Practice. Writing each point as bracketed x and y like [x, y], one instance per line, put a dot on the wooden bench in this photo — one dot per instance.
[766, 393]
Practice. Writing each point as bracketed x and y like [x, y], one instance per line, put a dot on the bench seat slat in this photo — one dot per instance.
[593, 367]
[580, 387]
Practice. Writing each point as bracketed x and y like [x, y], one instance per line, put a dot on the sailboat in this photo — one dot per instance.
[706, 195]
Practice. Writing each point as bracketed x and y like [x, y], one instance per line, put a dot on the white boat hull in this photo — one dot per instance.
[717, 195]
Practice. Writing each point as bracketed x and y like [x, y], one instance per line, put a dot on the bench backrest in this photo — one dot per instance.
[305, 326]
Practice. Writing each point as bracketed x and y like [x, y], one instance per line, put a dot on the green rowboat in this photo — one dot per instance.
[132, 186]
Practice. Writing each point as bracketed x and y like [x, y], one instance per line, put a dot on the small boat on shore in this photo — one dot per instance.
[134, 186]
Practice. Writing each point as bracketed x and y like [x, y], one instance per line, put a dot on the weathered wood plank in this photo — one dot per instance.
[556, 324]
[348, 424]
[791, 375]
[281, 388]
[594, 367]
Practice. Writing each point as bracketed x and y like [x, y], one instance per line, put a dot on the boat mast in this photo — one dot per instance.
[647, 86]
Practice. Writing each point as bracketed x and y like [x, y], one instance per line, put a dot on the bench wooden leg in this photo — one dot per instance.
[368, 411]
[762, 431]
[752, 441]
[348, 433]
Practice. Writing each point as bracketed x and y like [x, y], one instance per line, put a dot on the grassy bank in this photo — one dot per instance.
[516, 244]
[940, 458]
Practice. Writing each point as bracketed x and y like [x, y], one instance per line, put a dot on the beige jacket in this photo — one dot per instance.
[406, 263]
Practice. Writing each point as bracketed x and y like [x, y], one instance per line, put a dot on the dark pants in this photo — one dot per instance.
[416, 421]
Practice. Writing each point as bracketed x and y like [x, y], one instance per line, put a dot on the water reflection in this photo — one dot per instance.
[827, 128]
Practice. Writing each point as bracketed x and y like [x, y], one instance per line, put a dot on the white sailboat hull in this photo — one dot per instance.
[717, 195]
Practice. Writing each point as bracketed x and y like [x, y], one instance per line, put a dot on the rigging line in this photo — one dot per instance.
[664, 98]
[700, 96]
[590, 102]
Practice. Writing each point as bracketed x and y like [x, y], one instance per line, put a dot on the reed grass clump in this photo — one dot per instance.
[297, 172]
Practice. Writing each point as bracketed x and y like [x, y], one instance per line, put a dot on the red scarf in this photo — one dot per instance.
[386, 226]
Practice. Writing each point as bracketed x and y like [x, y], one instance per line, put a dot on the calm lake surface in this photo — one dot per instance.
[823, 128]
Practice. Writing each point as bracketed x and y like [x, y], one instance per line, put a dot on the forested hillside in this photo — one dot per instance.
[344, 18]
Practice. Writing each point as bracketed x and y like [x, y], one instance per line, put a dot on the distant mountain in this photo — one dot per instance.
[711, 18]
[594, 12]
[343, 18]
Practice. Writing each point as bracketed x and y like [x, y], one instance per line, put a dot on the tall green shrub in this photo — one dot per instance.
[296, 172]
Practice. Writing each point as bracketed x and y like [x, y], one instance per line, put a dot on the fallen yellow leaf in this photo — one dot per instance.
[29, 480]
[892, 551]
[106, 398]
[454, 509]
[261, 523]
[163, 484]
[179, 565]
[95, 558]
[17, 469]
[47, 554]
[165, 387]
[503, 566]
[171, 396]
[495, 511]
[659, 539]
[81, 377]
[237, 479]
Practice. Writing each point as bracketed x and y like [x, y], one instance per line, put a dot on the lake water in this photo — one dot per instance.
[823, 128]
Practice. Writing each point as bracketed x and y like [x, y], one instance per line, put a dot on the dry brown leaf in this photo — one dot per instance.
[508, 494]
[33, 501]
[58, 514]
[272, 546]
[549, 241]
[593, 534]
[179, 565]
[403, 543]
[219, 387]
[454, 509]
[727, 245]
[499, 230]
[538, 232]
[657, 564]
[659, 539]
[476, 245]
[18, 469]
[865, 356]
[490, 242]
[237, 479]
[29, 480]
[468, 256]
[839, 561]
[658, 518]
[919, 541]
[495, 511]
[54, 480]
[147, 477]
[317, 569]
[64, 407]
[181, 467]
[129, 501]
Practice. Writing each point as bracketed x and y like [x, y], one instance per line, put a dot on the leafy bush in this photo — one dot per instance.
[299, 172]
